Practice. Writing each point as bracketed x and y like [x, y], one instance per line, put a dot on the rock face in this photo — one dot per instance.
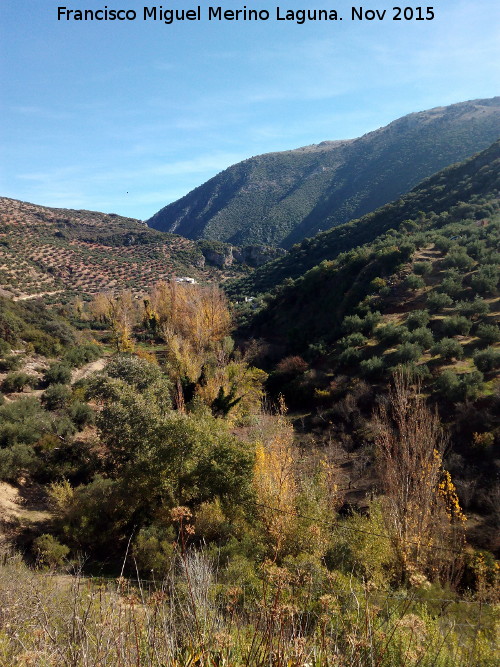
[223, 255]
[281, 198]
[256, 255]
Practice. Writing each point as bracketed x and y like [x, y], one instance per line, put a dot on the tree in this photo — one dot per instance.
[410, 443]
[438, 300]
[417, 319]
[448, 349]
[487, 360]
[275, 482]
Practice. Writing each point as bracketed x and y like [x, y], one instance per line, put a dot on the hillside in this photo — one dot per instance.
[478, 176]
[282, 198]
[53, 251]
[425, 298]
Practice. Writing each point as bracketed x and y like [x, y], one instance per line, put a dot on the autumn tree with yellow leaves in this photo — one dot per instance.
[422, 514]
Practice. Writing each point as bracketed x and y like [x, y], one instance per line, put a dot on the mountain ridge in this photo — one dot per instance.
[456, 184]
[280, 198]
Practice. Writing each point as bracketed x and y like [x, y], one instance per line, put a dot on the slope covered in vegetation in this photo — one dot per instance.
[229, 535]
[281, 198]
[46, 251]
[456, 185]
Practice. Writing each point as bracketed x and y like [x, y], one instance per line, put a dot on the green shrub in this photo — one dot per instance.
[56, 397]
[377, 284]
[473, 308]
[352, 324]
[23, 421]
[11, 362]
[391, 334]
[452, 287]
[15, 382]
[417, 319]
[353, 340]
[58, 373]
[414, 282]
[448, 349]
[442, 243]
[436, 301]
[16, 461]
[370, 321]
[49, 551]
[487, 360]
[372, 368]
[154, 551]
[81, 414]
[448, 385]
[423, 337]
[485, 280]
[350, 356]
[459, 259]
[407, 352]
[422, 268]
[81, 355]
[457, 325]
[488, 333]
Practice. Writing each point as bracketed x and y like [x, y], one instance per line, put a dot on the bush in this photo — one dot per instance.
[4, 347]
[58, 373]
[452, 287]
[448, 349]
[488, 333]
[15, 461]
[457, 325]
[417, 319]
[407, 352]
[18, 381]
[422, 268]
[473, 308]
[458, 259]
[84, 354]
[412, 281]
[436, 301]
[423, 337]
[153, 550]
[442, 243]
[350, 356]
[448, 385]
[391, 334]
[11, 362]
[292, 366]
[352, 324]
[136, 372]
[377, 284]
[56, 397]
[485, 280]
[487, 360]
[49, 551]
[81, 414]
[372, 368]
[370, 321]
[353, 340]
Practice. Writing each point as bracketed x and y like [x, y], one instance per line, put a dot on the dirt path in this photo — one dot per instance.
[22, 504]
[87, 370]
[27, 297]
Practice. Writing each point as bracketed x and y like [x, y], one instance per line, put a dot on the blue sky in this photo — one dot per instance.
[126, 117]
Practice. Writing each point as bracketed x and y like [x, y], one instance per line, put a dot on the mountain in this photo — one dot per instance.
[422, 298]
[281, 198]
[478, 176]
[50, 250]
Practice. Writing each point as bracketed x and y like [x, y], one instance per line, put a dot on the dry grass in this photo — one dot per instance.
[190, 619]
